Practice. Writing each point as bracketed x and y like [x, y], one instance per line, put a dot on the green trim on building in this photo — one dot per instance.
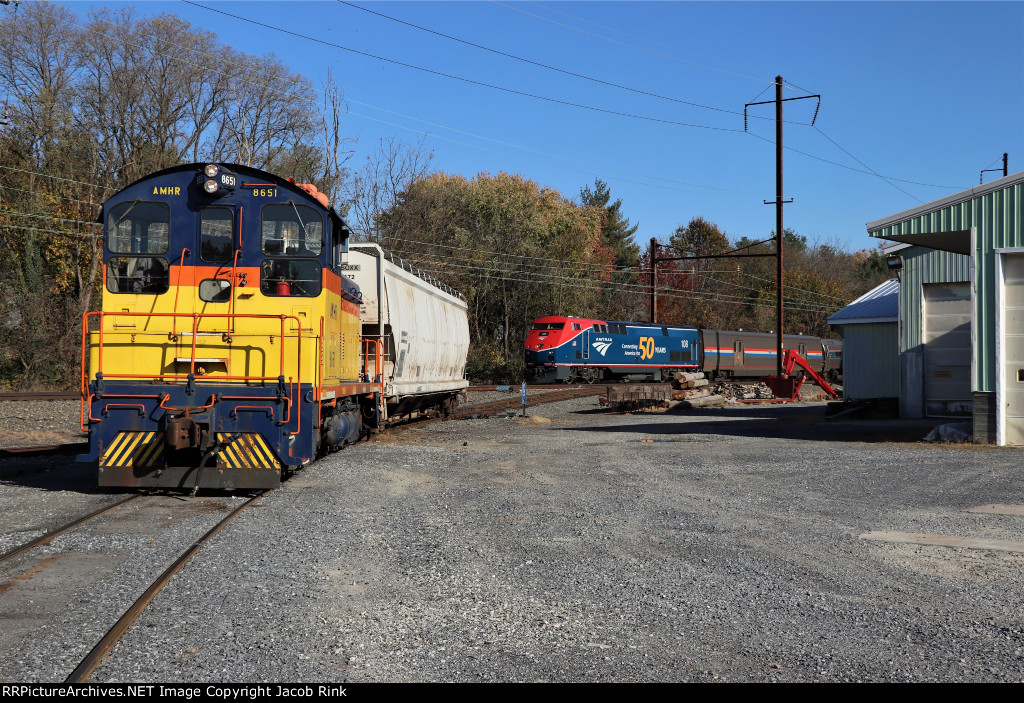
[995, 213]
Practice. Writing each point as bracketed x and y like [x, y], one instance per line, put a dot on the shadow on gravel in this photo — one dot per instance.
[56, 471]
[778, 421]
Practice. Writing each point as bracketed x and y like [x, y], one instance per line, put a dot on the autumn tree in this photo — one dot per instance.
[516, 250]
[96, 104]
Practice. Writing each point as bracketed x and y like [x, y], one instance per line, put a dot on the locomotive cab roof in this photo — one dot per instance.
[253, 176]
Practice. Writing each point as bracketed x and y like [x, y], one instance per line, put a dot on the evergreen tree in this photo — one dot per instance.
[617, 237]
[616, 232]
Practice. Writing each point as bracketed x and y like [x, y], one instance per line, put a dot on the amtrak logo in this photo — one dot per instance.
[602, 347]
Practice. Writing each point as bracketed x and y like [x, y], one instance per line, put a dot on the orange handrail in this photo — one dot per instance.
[192, 361]
[318, 386]
[234, 266]
[213, 399]
[177, 290]
[378, 362]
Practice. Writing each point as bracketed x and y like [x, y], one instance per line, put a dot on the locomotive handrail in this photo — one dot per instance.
[108, 406]
[378, 360]
[196, 317]
[234, 273]
[268, 408]
[177, 290]
[166, 397]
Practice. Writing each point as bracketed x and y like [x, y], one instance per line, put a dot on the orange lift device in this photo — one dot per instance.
[786, 386]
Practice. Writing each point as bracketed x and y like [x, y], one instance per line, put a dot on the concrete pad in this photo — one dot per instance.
[998, 509]
[1000, 545]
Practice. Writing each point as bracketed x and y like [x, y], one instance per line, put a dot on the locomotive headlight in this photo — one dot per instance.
[216, 180]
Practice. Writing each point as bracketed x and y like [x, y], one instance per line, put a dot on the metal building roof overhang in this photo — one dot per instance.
[933, 224]
[957, 241]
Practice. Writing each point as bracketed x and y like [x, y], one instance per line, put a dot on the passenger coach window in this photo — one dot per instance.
[215, 235]
[291, 277]
[292, 230]
[139, 228]
[138, 274]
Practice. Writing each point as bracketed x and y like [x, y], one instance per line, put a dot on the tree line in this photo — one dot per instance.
[94, 104]
[520, 251]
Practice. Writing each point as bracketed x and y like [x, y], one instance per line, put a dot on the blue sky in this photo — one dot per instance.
[926, 92]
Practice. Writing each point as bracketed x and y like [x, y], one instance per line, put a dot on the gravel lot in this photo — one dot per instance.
[582, 545]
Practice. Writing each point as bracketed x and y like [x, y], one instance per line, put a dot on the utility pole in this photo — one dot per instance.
[1006, 169]
[778, 224]
[654, 279]
[779, 202]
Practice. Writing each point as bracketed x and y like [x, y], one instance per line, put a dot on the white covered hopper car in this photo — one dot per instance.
[422, 327]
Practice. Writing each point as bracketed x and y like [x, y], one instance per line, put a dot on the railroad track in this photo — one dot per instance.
[515, 402]
[39, 396]
[92, 660]
[104, 646]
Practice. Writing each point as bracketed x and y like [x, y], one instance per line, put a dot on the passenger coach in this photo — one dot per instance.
[572, 349]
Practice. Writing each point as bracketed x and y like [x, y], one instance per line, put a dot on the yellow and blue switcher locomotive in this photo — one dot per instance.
[227, 351]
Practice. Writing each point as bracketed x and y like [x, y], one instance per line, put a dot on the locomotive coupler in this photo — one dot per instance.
[185, 433]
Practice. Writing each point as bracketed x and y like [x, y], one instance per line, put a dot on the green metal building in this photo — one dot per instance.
[961, 307]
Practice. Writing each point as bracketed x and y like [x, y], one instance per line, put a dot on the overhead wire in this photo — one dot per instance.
[522, 93]
[851, 168]
[883, 129]
[48, 195]
[47, 217]
[544, 276]
[577, 284]
[631, 46]
[463, 79]
[65, 233]
[595, 169]
[542, 65]
[818, 129]
[594, 172]
[55, 178]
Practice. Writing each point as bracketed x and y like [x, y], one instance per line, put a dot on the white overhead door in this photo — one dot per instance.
[947, 350]
[1011, 351]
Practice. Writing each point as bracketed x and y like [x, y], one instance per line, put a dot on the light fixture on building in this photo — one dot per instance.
[895, 262]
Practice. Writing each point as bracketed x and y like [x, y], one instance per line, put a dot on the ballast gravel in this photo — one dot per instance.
[578, 544]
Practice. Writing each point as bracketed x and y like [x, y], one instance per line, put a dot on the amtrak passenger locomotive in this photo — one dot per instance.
[574, 349]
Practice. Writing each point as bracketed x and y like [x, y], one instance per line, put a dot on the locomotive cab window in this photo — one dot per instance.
[138, 274]
[215, 235]
[548, 325]
[139, 228]
[291, 230]
[290, 277]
